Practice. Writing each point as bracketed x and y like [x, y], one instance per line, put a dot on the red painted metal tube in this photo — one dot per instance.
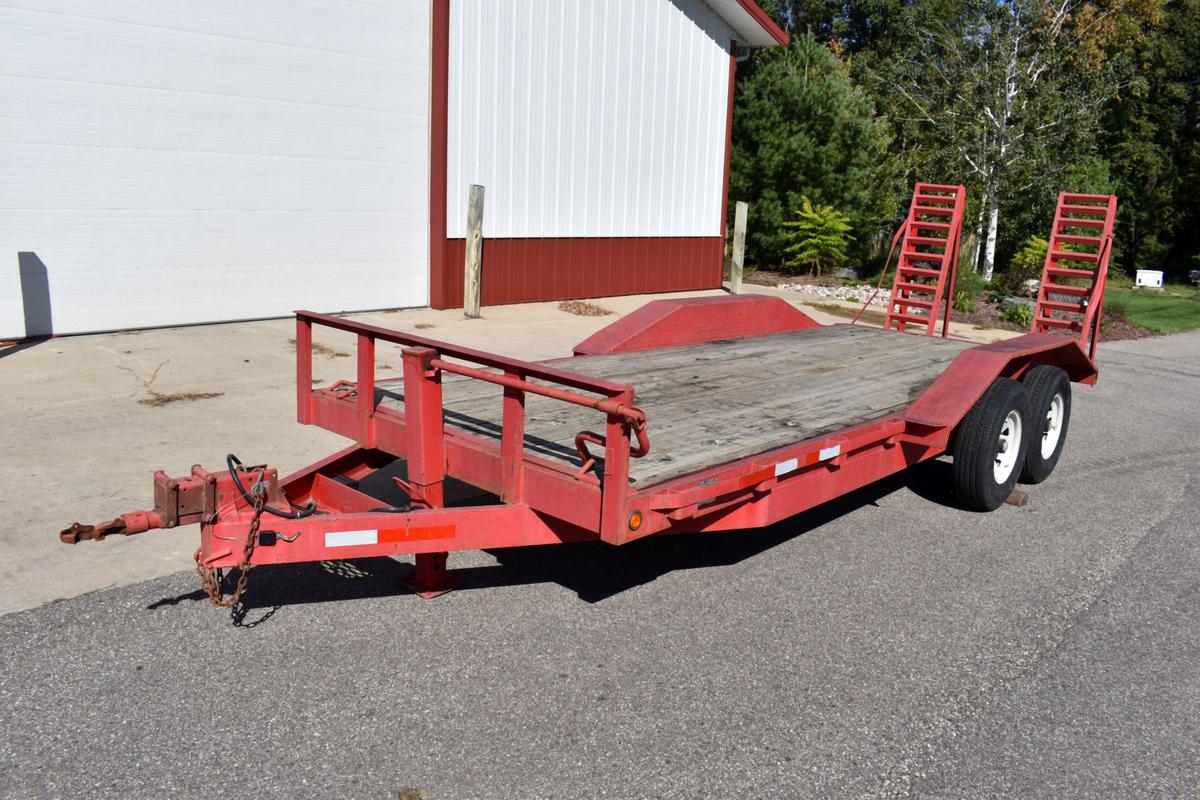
[607, 405]
[527, 368]
[368, 535]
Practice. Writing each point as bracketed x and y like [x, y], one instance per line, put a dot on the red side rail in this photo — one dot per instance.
[425, 437]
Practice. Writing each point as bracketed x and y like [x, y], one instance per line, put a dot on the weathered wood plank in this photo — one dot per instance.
[719, 401]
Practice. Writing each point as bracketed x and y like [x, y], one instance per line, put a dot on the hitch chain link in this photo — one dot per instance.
[210, 578]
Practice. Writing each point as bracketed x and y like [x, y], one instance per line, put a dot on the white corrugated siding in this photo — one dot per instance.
[588, 118]
[172, 162]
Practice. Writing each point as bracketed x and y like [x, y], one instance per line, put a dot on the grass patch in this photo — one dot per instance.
[1175, 309]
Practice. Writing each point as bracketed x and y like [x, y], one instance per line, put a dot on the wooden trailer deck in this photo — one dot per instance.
[712, 403]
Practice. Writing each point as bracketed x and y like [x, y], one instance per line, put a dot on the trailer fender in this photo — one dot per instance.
[667, 323]
[951, 395]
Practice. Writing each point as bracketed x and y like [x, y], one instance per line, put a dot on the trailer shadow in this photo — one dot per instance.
[592, 570]
[596, 571]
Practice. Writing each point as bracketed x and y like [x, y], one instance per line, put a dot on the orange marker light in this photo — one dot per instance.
[635, 520]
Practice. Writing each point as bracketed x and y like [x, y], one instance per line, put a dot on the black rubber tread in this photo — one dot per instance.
[975, 446]
[1041, 384]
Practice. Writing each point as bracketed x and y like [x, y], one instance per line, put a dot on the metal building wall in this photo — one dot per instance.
[600, 131]
[171, 162]
[587, 118]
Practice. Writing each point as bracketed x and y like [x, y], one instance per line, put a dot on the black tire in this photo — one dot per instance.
[976, 446]
[1043, 383]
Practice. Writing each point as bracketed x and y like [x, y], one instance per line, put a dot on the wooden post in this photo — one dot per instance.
[474, 260]
[739, 247]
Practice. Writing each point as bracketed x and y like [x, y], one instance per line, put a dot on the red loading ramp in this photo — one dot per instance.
[1071, 293]
[928, 255]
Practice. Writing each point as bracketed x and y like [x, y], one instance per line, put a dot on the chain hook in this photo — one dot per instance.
[210, 579]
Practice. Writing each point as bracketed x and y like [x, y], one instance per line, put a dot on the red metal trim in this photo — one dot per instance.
[668, 323]
[512, 443]
[528, 368]
[513, 380]
[304, 380]
[439, 103]
[421, 532]
[525, 270]
[765, 22]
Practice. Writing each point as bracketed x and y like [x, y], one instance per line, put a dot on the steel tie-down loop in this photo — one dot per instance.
[588, 461]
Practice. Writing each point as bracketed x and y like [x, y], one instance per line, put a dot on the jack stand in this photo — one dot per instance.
[430, 579]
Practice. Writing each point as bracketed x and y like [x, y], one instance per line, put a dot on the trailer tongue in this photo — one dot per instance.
[746, 412]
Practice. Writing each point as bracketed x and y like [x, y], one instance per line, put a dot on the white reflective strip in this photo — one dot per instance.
[349, 538]
[830, 452]
[784, 467]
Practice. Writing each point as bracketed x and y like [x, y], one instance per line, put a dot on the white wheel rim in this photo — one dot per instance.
[1053, 430]
[1008, 447]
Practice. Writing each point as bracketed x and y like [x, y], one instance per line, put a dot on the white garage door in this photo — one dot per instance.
[174, 161]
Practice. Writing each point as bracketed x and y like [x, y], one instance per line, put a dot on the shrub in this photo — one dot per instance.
[819, 237]
[1020, 314]
[1025, 266]
[970, 281]
[964, 302]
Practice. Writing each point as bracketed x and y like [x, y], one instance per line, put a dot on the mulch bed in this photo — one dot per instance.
[986, 315]
[1114, 327]
[766, 277]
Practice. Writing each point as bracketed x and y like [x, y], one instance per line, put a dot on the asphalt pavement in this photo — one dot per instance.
[887, 645]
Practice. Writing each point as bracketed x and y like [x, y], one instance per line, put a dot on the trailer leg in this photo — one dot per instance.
[426, 461]
[430, 578]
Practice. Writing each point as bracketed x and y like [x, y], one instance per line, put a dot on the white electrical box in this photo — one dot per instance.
[1149, 277]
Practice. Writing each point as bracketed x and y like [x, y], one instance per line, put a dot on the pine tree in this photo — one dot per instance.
[801, 127]
[819, 235]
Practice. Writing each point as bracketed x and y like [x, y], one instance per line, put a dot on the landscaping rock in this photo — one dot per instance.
[856, 294]
[1009, 302]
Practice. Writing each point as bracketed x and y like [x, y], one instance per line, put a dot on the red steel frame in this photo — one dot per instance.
[542, 501]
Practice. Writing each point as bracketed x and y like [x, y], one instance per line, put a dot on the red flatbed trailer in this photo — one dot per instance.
[687, 416]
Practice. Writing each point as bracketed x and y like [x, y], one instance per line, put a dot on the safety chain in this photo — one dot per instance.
[210, 578]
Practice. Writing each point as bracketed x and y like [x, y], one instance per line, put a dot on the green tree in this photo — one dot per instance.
[1152, 135]
[802, 128]
[1007, 93]
[819, 235]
